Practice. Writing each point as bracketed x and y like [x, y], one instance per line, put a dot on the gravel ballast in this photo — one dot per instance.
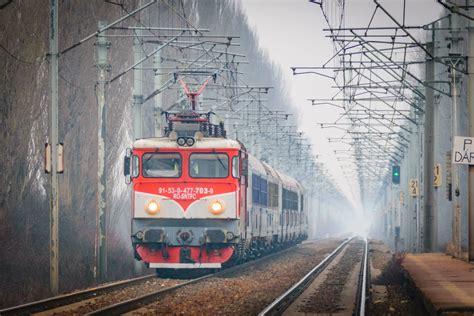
[90, 305]
[244, 292]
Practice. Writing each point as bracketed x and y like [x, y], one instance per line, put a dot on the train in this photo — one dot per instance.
[200, 200]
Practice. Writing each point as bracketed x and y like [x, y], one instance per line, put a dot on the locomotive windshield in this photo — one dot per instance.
[209, 165]
[161, 165]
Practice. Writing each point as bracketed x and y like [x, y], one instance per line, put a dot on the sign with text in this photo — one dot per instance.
[437, 175]
[413, 185]
[463, 150]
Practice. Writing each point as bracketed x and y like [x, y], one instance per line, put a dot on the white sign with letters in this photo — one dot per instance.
[413, 184]
[463, 150]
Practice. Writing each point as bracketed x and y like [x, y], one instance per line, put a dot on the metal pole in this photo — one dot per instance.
[137, 87]
[276, 163]
[103, 67]
[227, 123]
[399, 224]
[455, 171]
[428, 153]
[460, 218]
[394, 216]
[419, 197]
[53, 134]
[471, 134]
[158, 97]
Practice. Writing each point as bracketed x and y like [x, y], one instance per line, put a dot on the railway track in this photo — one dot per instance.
[71, 298]
[71, 303]
[135, 303]
[332, 276]
[254, 282]
[231, 291]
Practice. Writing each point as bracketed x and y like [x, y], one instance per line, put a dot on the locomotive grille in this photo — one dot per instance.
[215, 235]
[153, 235]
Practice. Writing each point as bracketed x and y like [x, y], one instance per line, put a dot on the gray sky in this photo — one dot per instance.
[291, 32]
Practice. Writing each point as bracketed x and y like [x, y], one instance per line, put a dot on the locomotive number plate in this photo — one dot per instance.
[187, 193]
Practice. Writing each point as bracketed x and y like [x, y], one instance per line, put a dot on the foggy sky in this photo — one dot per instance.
[291, 33]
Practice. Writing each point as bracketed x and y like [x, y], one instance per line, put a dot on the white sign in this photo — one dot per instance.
[437, 175]
[463, 150]
[413, 185]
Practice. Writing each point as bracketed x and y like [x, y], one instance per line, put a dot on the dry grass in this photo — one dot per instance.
[392, 272]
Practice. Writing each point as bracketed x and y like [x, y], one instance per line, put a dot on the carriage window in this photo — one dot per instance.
[255, 189]
[290, 200]
[208, 165]
[263, 190]
[272, 194]
[161, 165]
[259, 190]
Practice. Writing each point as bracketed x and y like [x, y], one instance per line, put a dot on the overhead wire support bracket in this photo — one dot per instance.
[100, 30]
[455, 9]
[414, 39]
[158, 28]
[143, 59]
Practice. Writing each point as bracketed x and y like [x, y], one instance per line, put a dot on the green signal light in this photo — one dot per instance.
[396, 174]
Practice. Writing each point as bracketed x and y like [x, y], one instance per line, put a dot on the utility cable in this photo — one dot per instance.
[16, 57]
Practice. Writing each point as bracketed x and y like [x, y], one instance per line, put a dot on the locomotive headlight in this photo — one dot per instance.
[189, 141]
[152, 207]
[181, 141]
[216, 207]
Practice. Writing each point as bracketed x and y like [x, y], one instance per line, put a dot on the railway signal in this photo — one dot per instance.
[396, 174]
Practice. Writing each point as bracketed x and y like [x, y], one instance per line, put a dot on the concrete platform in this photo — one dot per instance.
[445, 284]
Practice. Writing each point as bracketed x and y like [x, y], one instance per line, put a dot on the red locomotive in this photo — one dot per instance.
[200, 200]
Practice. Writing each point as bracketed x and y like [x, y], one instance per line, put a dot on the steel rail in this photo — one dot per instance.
[287, 297]
[362, 291]
[132, 304]
[66, 299]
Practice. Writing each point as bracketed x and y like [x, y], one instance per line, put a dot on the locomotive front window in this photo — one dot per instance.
[208, 165]
[161, 165]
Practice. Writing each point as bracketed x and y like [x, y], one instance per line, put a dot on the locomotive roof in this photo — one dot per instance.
[206, 142]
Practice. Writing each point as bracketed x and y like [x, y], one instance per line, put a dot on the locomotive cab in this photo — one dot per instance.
[186, 194]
